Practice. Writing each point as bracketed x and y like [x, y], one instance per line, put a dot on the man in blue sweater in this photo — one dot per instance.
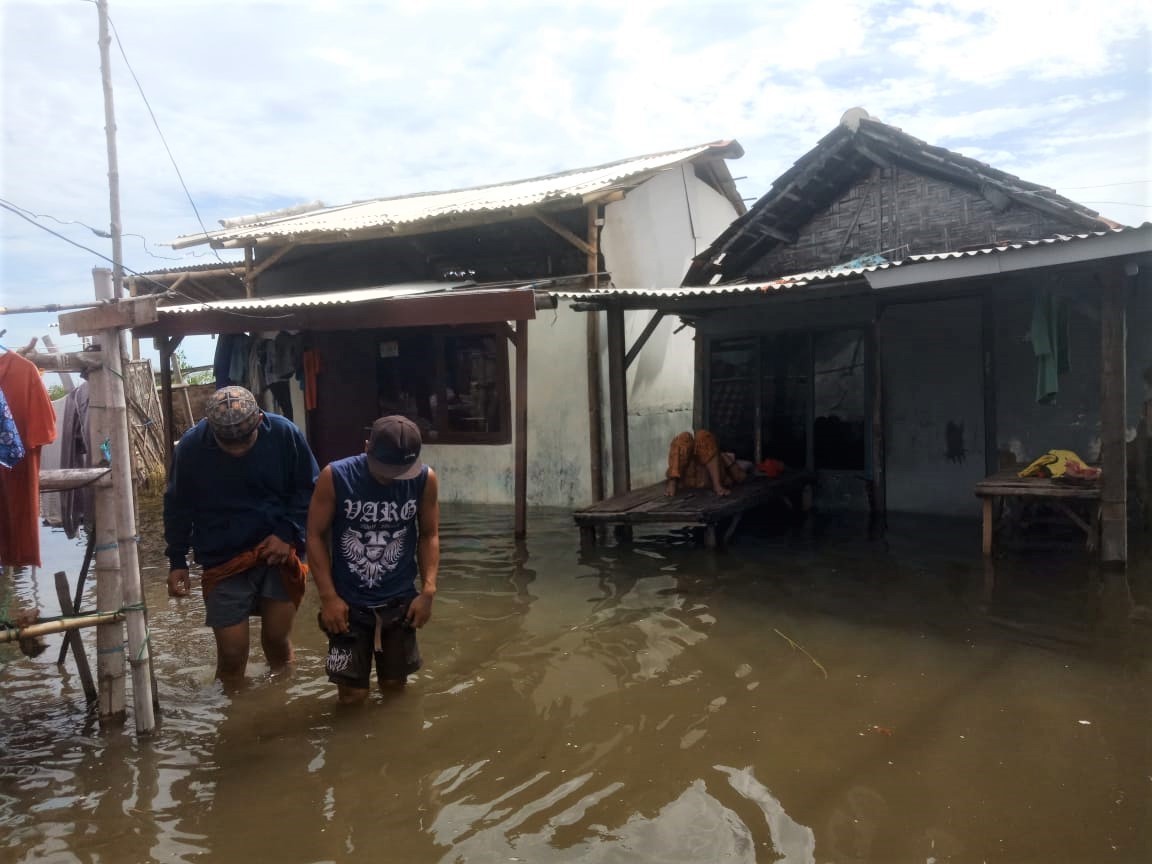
[238, 495]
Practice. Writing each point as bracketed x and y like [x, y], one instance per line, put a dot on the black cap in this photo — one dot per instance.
[394, 448]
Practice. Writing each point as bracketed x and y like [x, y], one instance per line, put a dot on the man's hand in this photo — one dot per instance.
[178, 583]
[334, 614]
[274, 550]
[420, 610]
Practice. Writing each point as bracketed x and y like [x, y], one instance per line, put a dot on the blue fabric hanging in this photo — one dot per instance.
[11, 447]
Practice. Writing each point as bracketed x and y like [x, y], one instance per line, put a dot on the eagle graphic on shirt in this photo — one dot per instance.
[374, 553]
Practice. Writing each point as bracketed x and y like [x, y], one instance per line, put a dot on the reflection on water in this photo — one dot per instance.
[644, 703]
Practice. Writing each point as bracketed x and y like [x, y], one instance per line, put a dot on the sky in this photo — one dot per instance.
[268, 104]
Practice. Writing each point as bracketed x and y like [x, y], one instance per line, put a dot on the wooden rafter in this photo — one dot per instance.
[573, 238]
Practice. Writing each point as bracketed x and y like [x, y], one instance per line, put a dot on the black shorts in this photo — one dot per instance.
[380, 631]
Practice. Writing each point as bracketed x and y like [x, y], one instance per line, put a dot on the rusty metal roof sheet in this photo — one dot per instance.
[410, 210]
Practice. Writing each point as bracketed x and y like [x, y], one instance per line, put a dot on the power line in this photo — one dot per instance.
[160, 132]
[104, 235]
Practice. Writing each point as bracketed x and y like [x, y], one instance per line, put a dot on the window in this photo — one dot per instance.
[452, 384]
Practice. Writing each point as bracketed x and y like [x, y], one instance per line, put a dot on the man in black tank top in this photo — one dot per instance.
[373, 528]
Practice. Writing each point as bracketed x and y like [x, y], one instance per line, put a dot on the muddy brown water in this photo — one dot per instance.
[798, 699]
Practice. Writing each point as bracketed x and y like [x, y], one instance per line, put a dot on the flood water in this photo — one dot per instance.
[798, 699]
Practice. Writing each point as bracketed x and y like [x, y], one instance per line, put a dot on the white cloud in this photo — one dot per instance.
[269, 103]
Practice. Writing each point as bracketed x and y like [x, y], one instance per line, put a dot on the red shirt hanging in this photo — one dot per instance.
[20, 486]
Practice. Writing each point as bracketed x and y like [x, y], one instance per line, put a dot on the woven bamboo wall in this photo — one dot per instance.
[895, 208]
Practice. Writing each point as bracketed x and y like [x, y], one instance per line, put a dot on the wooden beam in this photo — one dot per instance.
[269, 261]
[608, 197]
[521, 430]
[618, 402]
[79, 361]
[1113, 420]
[645, 334]
[120, 313]
[570, 236]
[249, 276]
[777, 234]
[64, 479]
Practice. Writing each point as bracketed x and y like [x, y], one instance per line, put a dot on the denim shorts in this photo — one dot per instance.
[382, 632]
[238, 597]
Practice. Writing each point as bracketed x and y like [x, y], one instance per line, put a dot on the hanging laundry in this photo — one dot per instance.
[311, 371]
[1049, 335]
[11, 447]
[20, 486]
[77, 506]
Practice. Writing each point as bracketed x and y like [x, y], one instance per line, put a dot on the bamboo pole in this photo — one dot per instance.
[124, 508]
[110, 637]
[96, 619]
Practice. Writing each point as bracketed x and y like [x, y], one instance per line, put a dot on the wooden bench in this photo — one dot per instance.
[1055, 492]
[649, 505]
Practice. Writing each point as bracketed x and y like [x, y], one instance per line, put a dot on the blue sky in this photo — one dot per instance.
[266, 104]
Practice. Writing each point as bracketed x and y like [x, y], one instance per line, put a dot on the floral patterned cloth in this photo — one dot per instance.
[11, 447]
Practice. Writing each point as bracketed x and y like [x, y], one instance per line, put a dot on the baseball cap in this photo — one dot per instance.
[232, 413]
[394, 448]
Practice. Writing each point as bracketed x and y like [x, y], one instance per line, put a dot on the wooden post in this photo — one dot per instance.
[1113, 420]
[699, 381]
[988, 347]
[135, 342]
[109, 636]
[121, 512]
[68, 610]
[618, 399]
[164, 346]
[521, 431]
[124, 509]
[595, 394]
[879, 452]
[89, 551]
[249, 276]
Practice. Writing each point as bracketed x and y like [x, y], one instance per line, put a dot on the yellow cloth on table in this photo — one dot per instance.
[1058, 463]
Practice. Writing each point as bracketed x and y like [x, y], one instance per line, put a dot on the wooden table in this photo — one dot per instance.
[1056, 492]
[650, 505]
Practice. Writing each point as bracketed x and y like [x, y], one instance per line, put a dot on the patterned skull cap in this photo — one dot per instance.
[232, 413]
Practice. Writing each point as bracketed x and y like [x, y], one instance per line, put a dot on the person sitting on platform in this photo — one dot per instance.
[695, 462]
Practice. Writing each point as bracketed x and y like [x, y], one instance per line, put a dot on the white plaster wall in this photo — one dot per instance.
[558, 472]
[648, 240]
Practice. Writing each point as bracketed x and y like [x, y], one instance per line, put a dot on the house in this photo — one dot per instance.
[906, 322]
[406, 304]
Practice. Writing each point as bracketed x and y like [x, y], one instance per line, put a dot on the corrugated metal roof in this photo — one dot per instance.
[327, 298]
[405, 210]
[849, 272]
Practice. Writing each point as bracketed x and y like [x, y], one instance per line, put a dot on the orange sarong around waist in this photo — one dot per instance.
[293, 572]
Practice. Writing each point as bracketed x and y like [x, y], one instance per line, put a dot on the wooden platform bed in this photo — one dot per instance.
[718, 516]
